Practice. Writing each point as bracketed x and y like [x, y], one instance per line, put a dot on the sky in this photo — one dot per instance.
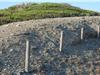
[84, 4]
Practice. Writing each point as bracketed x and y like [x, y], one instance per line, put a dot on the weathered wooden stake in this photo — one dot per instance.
[61, 41]
[27, 56]
[82, 33]
[98, 31]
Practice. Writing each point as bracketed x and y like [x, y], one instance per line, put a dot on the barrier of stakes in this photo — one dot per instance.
[27, 53]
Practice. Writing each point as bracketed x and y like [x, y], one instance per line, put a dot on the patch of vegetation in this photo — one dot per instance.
[28, 11]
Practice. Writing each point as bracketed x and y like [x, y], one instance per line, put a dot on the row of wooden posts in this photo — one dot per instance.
[81, 36]
[27, 56]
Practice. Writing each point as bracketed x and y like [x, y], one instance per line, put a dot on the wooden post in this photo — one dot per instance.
[82, 33]
[61, 41]
[98, 31]
[27, 56]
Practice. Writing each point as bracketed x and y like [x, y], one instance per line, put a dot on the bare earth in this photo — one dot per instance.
[76, 56]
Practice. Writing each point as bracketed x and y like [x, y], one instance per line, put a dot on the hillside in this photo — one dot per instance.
[28, 11]
[76, 58]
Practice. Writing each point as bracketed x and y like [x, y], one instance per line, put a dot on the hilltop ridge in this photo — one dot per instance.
[28, 11]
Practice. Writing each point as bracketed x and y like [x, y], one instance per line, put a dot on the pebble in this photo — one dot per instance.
[11, 50]
[12, 34]
[0, 52]
[17, 25]
[6, 25]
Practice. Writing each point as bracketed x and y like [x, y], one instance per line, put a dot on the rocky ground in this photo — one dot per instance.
[76, 58]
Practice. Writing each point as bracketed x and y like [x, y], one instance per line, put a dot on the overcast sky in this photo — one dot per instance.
[85, 4]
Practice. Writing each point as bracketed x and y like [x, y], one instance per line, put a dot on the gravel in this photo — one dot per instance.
[44, 38]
